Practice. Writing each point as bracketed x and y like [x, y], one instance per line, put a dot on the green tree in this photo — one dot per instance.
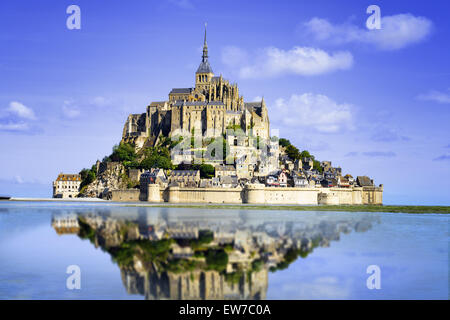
[305, 154]
[217, 260]
[206, 170]
[87, 176]
[284, 142]
[317, 166]
[292, 152]
[156, 160]
[123, 152]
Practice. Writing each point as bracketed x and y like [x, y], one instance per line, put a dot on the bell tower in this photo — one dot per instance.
[204, 72]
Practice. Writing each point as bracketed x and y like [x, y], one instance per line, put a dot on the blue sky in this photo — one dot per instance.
[375, 102]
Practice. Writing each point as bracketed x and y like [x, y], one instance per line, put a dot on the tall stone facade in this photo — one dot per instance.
[208, 109]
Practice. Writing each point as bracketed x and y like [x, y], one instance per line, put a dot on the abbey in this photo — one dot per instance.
[207, 109]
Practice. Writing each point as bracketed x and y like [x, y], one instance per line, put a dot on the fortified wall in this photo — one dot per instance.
[254, 194]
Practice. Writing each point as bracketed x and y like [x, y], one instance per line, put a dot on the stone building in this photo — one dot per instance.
[225, 170]
[208, 109]
[66, 186]
[184, 178]
[66, 224]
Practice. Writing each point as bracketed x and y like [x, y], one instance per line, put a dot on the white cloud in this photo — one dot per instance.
[17, 118]
[436, 96]
[70, 110]
[14, 126]
[397, 31]
[20, 110]
[272, 61]
[314, 111]
[100, 101]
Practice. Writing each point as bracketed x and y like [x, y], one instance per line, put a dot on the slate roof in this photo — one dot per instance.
[204, 67]
[253, 104]
[184, 173]
[254, 107]
[182, 90]
[68, 177]
[364, 181]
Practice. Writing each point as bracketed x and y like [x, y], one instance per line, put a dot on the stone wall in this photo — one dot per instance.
[254, 194]
[291, 195]
[349, 196]
[124, 195]
[205, 195]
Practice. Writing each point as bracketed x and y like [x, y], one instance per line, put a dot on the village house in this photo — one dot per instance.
[329, 175]
[272, 180]
[184, 178]
[210, 183]
[277, 179]
[66, 186]
[228, 181]
[283, 178]
[364, 181]
[328, 183]
[225, 170]
[245, 167]
[342, 182]
[299, 180]
[326, 165]
[66, 224]
[314, 182]
[350, 179]
[154, 176]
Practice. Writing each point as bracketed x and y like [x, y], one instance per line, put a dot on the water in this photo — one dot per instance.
[182, 253]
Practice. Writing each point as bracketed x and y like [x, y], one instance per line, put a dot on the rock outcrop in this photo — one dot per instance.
[110, 176]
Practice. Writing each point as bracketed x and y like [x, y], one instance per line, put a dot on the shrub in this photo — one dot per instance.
[284, 142]
[123, 152]
[217, 260]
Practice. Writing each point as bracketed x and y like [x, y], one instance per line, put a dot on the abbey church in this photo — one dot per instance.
[209, 109]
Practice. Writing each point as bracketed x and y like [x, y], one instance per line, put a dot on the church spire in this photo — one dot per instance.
[205, 48]
[204, 65]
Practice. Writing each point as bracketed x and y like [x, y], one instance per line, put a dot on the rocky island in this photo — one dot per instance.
[205, 144]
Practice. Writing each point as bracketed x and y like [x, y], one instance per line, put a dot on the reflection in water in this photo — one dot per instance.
[205, 255]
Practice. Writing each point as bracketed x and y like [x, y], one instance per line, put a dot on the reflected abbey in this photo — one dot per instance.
[198, 254]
